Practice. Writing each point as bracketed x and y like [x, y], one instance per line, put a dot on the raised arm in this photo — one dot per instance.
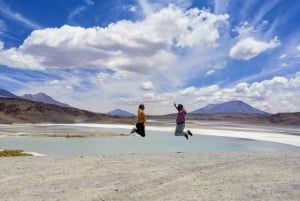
[175, 105]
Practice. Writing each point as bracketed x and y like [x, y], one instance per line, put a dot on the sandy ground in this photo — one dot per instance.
[177, 176]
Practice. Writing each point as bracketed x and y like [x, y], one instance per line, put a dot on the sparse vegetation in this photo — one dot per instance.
[13, 152]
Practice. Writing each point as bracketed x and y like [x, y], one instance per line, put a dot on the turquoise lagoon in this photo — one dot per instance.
[155, 142]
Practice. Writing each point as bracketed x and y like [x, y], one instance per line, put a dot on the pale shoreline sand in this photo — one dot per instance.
[236, 130]
[284, 135]
[149, 177]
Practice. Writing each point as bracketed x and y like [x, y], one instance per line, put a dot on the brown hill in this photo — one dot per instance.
[25, 111]
[291, 119]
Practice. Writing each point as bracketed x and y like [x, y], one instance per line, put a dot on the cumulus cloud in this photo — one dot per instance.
[278, 94]
[147, 8]
[244, 29]
[145, 48]
[14, 58]
[248, 48]
[147, 86]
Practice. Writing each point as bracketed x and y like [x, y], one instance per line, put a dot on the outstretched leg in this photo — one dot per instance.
[179, 131]
[140, 129]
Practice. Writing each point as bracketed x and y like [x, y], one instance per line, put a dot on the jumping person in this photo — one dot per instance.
[180, 122]
[141, 120]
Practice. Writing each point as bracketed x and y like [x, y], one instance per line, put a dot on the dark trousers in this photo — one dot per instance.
[140, 129]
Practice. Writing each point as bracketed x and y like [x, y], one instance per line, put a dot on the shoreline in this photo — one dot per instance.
[286, 135]
[256, 133]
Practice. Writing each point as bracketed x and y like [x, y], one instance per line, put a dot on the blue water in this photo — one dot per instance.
[155, 142]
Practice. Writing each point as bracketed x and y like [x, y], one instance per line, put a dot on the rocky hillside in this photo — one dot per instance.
[44, 98]
[25, 111]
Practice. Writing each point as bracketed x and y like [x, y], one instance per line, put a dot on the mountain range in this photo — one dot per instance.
[18, 110]
[44, 98]
[230, 107]
[39, 97]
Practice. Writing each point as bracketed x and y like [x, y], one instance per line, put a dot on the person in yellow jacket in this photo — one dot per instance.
[141, 120]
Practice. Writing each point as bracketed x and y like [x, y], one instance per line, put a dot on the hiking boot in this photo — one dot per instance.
[133, 130]
[186, 136]
[190, 133]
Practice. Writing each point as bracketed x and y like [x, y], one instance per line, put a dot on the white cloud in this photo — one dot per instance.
[81, 8]
[188, 91]
[54, 82]
[147, 86]
[102, 76]
[14, 58]
[122, 75]
[168, 48]
[244, 29]
[282, 56]
[278, 94]
[132, 8]
[147, 47]
[147, 8]
[248, 48]
[77, 11]
[210, 72]
[69, 87]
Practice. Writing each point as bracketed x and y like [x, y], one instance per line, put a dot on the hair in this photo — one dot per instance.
[180, 106]
[141, 106]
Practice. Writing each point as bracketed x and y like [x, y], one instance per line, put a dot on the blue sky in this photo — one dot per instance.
[108, 54]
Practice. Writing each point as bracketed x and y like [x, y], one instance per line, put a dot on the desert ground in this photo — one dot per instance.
[174, 176]
[264, 176]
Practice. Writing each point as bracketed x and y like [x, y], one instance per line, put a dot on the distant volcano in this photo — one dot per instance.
[230, 107]
[41, 97]
[119, 112]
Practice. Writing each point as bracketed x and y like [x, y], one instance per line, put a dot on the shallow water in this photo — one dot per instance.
[155, 142]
